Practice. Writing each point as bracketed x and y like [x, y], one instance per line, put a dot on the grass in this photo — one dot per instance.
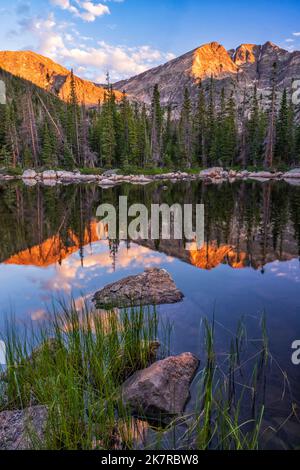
[82, 359]
[230, 405]
[219, 422]
[77, 370]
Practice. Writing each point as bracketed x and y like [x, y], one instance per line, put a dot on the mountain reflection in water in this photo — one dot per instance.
[246, 224]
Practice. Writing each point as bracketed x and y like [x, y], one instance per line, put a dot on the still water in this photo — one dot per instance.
[249, 266]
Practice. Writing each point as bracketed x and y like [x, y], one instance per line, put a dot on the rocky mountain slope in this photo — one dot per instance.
[236, 70]
[50, 76]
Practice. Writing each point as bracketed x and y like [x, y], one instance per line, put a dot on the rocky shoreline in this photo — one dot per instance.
[112, 178]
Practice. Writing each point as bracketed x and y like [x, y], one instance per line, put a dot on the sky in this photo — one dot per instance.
[127, 37]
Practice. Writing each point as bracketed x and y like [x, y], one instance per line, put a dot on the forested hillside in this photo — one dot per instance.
[37, 129]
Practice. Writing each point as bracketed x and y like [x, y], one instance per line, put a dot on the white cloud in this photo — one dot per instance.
[47, 32]
[296, 34]
[96, 10]
[86, 10]
[120, 61]
[64, 4]
[62, 43]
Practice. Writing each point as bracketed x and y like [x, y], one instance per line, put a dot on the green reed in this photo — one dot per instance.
[77, 369]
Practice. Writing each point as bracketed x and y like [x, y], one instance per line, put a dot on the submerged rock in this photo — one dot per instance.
[153, 287]
[163, 389]
[18, 429]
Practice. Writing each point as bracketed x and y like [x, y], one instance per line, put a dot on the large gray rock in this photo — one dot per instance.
[163, 389]
[65, 175]
[211, 172]
[29, 174]
[20, 428]
[295, 173]
[153, 287]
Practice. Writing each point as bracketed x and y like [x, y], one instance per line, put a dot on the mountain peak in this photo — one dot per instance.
[50, 76]
[246, 54]
[212, 59]
[212, 45]
[271, 46]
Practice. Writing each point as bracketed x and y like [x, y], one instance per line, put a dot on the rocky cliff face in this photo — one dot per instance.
[50, 76]
[236, 70]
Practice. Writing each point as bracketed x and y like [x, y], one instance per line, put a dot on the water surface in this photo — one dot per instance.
[249, 265]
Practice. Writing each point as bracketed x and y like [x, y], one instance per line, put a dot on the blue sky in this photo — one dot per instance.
[128, 36]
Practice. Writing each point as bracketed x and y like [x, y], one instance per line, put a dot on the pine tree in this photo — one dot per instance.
[291, 132]
[168, 150]
[95, 134]
[128, 135]
[143, 139]
[297, 145]
[47, 147]
[5, 156]
[270, 139]
[73, 120]
[200, 128]
[243, 137]
[87, 156]
[211, 126]
[3, 124]
[29, 125]
[185, 131]
[282, 144]
[108, 133]
[10, 134]
[27, 157]
[68, 159]
[156, 129]
[230, 133]
[253, 143]
[219, 149]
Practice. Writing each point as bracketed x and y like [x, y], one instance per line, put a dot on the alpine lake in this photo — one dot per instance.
[247, 271]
